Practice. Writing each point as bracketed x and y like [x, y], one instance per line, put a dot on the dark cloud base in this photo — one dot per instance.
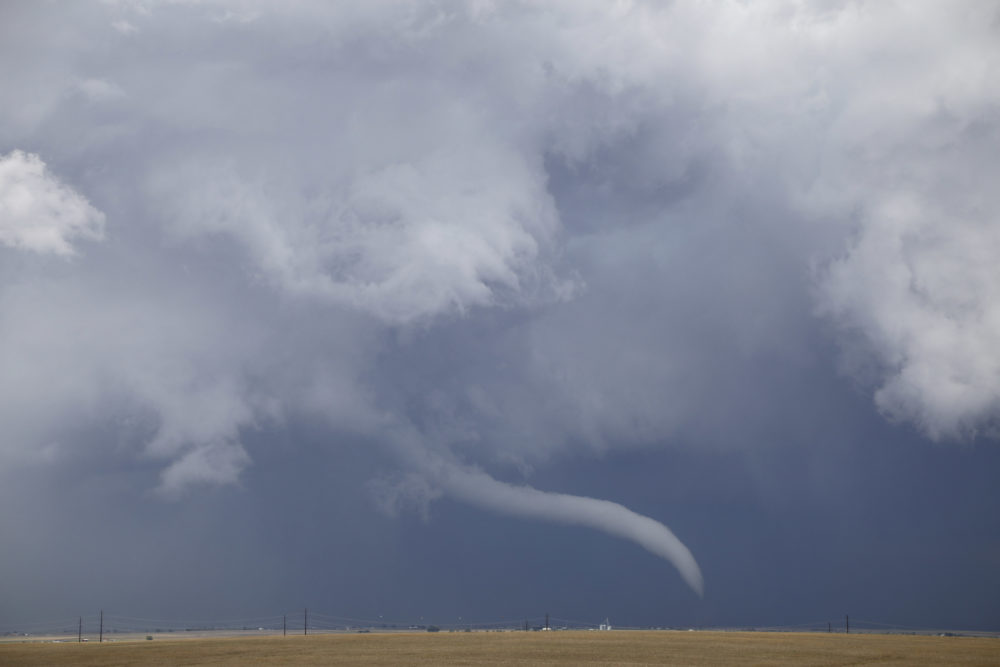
[873, 522]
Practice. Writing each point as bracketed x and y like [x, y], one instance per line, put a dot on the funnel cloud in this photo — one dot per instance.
[482, 490]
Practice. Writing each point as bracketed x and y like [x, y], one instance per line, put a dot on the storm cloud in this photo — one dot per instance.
[484, 239]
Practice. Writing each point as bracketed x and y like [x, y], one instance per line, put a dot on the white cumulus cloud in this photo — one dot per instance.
[38, 212]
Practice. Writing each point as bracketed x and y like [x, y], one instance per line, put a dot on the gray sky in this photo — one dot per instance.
[682, 314]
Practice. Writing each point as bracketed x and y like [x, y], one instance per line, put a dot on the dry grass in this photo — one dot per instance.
[519, 648]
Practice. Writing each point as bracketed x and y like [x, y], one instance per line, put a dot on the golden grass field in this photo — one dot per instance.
[521, 648]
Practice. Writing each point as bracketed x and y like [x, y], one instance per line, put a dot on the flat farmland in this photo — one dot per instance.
[524, 648]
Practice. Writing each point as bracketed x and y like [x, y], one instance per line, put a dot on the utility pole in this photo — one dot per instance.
[305, 624]
[284, 625]
[79, 631]
[546, 620]
[829, 627]
[100, 637]
[847, 624]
